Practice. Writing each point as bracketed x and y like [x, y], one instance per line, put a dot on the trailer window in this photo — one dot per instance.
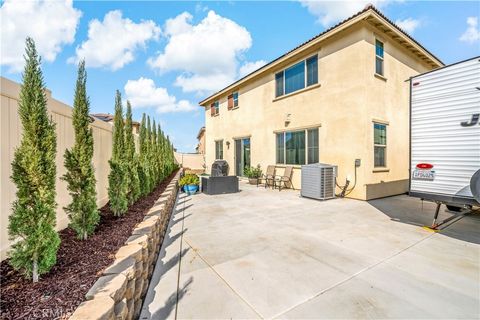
[380, 145]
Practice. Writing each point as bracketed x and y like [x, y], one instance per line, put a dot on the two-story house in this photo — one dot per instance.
[341, 96]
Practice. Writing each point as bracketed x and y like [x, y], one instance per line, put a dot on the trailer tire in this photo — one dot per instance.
[453, 208]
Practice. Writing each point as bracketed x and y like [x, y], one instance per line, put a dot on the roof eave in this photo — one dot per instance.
[402, 37]
[362, 15]
[286, 56]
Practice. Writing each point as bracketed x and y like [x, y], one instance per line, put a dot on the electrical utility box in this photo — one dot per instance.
[318, 181]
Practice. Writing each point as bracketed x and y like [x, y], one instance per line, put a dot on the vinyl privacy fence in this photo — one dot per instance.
[10, 136]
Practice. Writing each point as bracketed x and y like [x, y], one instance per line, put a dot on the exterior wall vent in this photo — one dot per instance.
[318, 181]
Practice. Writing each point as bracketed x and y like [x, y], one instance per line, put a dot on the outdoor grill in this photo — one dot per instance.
[219, 182]
[219, 168]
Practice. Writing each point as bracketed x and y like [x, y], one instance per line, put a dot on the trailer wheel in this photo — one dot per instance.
[453, 208]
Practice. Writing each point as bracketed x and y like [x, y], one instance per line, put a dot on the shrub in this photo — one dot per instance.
[143, 172]
[253, 172]
[189, 179]
[80, 176]
[133, 188]
[33, 217]
[118, 178]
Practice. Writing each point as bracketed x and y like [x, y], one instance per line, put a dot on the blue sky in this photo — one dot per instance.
[167, 56]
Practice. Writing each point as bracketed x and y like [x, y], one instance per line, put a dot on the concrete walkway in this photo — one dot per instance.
[268, 254]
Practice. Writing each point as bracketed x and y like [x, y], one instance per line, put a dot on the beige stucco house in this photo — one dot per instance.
[338, 97]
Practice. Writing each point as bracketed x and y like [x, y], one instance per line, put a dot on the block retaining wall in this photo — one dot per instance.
[119, 293]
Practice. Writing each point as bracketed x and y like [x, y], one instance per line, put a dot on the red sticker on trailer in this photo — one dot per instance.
[424, 166]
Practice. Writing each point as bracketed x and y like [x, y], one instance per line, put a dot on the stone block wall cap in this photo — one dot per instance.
[143, 231]
[100, 308]
[133, 250]
[138, 239]
[162, 202]
[125, 266]
[150, 220]
[113, 286]
[157, 213]
[158, 207]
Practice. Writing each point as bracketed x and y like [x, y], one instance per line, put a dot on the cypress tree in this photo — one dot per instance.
[151, 179]
[118, 129]
[159, 153]
[143, 172]
[33, 219]
[169, 155]
[154, 152]
[80, 176]
[117, 179]
[131, 158]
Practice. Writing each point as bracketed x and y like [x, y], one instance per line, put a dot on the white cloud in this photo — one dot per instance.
[112, 42]
[179, 24]
[472, 34]
[203, 83]
[207, 53]
[329, 12]
[249, 67]
[51, 24]
[408, 25]
[143, 93]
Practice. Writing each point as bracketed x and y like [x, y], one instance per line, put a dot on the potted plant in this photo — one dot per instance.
[253, 173]
[190, 183]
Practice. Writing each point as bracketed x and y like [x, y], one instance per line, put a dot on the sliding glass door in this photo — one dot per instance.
[242, 155]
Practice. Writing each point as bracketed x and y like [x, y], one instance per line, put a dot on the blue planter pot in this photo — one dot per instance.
[190, 189]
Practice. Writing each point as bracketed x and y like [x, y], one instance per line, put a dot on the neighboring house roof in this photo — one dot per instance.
[370, 14]
[107, 117]
[200, 132]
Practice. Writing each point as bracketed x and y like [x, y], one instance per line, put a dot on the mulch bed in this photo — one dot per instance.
[79, 265]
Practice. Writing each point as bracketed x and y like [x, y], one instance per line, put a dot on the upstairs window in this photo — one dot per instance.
[233, 101]
[297, 77]
[219, 150]
[380, 145]
[312, 70]
[279, 84]
[215, 108]
[379, 57]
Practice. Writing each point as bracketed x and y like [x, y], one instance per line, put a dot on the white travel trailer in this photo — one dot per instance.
[445, 135]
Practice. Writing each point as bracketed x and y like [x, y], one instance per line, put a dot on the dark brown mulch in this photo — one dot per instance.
[79, 265]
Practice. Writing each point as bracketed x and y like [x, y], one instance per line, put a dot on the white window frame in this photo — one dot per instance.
[380, 145]
[379, 57]
[235, 100]
[305, 130]
[221, 143]
[305, 75]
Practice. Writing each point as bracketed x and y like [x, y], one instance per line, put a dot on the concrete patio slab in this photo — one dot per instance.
[261, 253]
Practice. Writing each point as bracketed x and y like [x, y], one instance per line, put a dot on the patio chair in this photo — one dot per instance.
[284, 179]
[268, 176]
